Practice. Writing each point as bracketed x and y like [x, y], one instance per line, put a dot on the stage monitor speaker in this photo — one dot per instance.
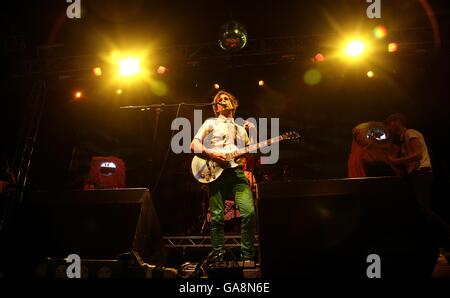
[95, 224]
[328, 228]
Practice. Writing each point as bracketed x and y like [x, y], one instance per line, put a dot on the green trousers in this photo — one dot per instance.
[233, 182]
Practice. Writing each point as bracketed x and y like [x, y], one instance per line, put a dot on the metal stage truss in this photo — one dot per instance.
[56, 60]
[231, 241]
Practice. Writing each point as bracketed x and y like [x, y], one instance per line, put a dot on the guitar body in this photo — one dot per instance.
[208, 170]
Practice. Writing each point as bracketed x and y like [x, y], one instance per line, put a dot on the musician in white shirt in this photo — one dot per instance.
[214, 134]
[417, 165]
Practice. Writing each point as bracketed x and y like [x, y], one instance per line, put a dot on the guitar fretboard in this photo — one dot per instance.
[257, 146]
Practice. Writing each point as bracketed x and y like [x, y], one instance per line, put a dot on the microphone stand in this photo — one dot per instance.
[162, 105]
[159, 107]
[158, 111]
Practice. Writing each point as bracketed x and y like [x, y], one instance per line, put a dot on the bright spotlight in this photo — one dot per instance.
[97, 71]
[261, 83]
[355, 48]
[216, 86]
[392, 47]
[77, 95]
[319, 57]
[129, 67]
[161, 70]
[370, 74]
[119, 91]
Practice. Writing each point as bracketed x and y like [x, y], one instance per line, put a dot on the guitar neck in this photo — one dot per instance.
[257, 146]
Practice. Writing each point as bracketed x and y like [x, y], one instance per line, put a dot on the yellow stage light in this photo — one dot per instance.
[216, 86]
[97, 71]
[161, 70]
[355, 48]
[370, 74]
[392, 47]
[319, 57]
[129, 66]
[261, 83]
[77, 95]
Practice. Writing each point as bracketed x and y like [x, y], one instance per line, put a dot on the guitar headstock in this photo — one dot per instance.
[291, 136]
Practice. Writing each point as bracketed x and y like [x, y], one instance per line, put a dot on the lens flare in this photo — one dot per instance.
[312, 77]
[379, 32]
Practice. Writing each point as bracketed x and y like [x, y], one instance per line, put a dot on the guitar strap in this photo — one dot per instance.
[235, 134]
[402, 145]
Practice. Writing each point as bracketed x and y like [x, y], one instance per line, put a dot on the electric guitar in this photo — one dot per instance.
[208, 170]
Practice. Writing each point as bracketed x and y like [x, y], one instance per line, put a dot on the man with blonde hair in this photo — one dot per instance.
[214, 134]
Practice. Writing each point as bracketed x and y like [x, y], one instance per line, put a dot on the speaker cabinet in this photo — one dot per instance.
[328, 228]
[95, 224]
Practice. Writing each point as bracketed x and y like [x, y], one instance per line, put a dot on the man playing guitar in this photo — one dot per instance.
[218, 133]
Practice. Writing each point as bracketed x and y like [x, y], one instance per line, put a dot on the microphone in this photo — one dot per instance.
[222, 103]
[226, 104]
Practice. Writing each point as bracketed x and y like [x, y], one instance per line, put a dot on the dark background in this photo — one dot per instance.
[413, 81]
